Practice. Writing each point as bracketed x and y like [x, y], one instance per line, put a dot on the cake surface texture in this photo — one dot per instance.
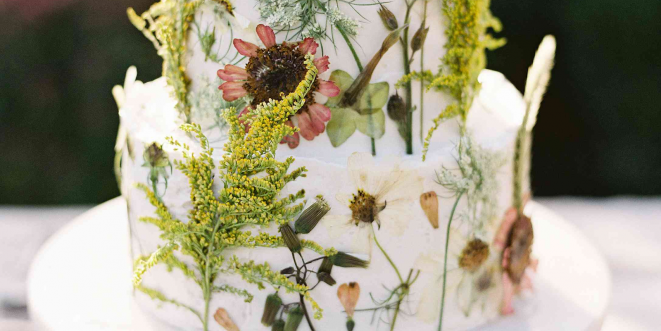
[323, 165]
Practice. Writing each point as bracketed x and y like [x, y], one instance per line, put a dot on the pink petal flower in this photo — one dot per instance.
[322, 64]
[266, 35]
[319, 112]
[308, 45]
[305, 124]
[232, 73]
[291, 140]
[508, 295]
[245, 48]
[500, 240]
[233, 90]
[328, 89]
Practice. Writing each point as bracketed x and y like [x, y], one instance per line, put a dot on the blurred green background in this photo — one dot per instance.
[598, 131]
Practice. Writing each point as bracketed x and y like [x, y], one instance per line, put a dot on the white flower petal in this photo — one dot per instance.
[337, 225]
[360, 165]
[344, 198]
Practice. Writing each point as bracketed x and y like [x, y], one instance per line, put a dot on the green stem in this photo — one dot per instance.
[445, 260]
[394, 319]
[422, 81]
[207, 277]
[409, 92]
[360, 69]
[401, 280]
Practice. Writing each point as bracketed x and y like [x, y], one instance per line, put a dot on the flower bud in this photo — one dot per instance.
[396, 108]
[348, 295]
[223, 319]
[429, 204]
[294, 319]
[154, 156]
[324, 272]
[388, 18]
[419, 38]
[278, 325]
[350, 324]
[271, 308]
[311, 216]
[345, 260]
[290, 238]
[287, 271]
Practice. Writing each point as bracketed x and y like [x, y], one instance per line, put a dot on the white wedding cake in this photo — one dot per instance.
[326, 165]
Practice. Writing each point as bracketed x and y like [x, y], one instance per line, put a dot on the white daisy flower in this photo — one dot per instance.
[382, 195]
[473, 277]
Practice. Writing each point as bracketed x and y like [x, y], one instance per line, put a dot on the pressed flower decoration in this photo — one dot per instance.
[382, 196]
[277, 69]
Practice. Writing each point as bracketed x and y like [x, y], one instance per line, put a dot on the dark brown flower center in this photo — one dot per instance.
[276, 71]
[364, 207]
[473, 255]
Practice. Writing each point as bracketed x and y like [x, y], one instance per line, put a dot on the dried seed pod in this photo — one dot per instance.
[287, 271]
[388, 18]
[419, 38]
[345, 260]
[348, 295]
[294, 319]
[429, 204]
[397, 108]
[519, 247]
[350, 324]
[311, 216]
[271, 308]
[324, 272]
[290, 238]
[223, 318]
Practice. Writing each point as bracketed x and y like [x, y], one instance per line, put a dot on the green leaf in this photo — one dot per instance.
[342, 80]
[373, 125]
[375, 96]
[341, 126]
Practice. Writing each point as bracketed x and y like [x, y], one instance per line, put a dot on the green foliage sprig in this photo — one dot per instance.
[252, 181]
[468, 22]
[166, 24]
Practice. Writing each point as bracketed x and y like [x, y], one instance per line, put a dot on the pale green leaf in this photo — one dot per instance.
[341, 126]
[342, 80]
[375, 96]
[373, 125]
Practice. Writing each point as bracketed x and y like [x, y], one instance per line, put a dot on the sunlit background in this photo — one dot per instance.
[598, 134]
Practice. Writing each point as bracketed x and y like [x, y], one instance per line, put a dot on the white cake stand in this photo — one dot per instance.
[81, 278]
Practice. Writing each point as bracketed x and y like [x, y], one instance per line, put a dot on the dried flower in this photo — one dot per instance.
[271, 308]
[324, 272]
[290, 238]
[388, 18]
[294, 319]
[345, 260]
[154, 156]
[419, 38]
[224, 320]
[278, 325]
[348, 295]
[516, 257]
[311, 216]
[473, 255]
[397, 108]
[429, 204]
[277, 69]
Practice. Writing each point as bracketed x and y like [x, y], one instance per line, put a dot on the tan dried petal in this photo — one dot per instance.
[429, 204]
[519, 248]
[348, 295]
[223, 318]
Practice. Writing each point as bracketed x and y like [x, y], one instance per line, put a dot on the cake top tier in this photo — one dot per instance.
[389, 73]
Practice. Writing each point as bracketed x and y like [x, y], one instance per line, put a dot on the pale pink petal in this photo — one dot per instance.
[500, 240]
[266, 35]
[245, 48]
[506, 257]
[232, 73]
[233, 90]
[526, 283]
[533, 264]
[328, 89]
[322, 64]
[308, 45]
[292, 140]
[320, 112]
[317, 125]
[305, 124]
[508, 295]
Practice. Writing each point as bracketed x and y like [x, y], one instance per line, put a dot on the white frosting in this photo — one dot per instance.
[493, 121]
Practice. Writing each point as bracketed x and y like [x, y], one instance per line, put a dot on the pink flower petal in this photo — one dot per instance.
[305, 124]
[232, 73]
[245, 48]
[328, 89]
[322, 64]
[508, 294]
[308, 45]
[266, 35]
[232, 90]
[320, 112]
[291, 140]
[500, 240]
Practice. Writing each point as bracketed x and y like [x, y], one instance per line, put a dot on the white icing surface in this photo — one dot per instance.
[149, 115]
